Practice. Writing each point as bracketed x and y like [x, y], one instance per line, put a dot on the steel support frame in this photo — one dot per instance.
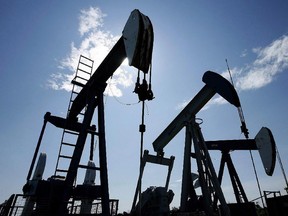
[209, 183]
[103, 158]
[160, 160]
[74, 164]
[235, 180]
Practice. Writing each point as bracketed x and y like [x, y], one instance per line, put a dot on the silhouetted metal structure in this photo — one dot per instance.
[207, 178]
[53, 196]
[60, 196]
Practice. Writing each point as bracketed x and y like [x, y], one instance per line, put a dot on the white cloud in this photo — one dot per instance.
[244, 53]
[90, 19]
[60, 81]
[95, 45]
[120, 77]
[270, 61]
[183, 104]
[218, 100]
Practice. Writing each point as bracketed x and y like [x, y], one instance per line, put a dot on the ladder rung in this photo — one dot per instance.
[90, 66]
[74, 92]
[83, 71]
[71, 132]
[65, 156]
[88, 167]
[81, 56]
[68, 144]
[61, 170]
[82, 78]
[77, 83]
[71, 102]
[58, 176]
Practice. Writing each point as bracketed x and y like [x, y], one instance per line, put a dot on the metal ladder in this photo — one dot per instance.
[69, 137]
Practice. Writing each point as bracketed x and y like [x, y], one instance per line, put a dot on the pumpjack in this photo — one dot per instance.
[211, 201]
[57, 195]
[207, 179]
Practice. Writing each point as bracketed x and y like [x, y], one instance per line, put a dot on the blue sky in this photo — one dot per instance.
[40, 46]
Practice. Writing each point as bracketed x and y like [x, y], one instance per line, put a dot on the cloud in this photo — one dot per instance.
[95, 44]
[244, 53]
[120, 77]
[218, 100]
[183, 104]
[90, 19]
[270, 61]
[60, 81]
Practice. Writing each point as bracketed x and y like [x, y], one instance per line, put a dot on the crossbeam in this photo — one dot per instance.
[231, 145]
